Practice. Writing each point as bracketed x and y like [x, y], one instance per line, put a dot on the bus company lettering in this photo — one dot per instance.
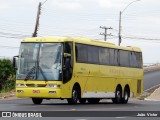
[116, 71]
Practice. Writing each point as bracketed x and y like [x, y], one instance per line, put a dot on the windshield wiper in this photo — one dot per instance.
[30, 72]
[33, 70]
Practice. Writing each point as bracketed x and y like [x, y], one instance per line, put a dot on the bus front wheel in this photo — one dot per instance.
[75, 96]
[37, 100]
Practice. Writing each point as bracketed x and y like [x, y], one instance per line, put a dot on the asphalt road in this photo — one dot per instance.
[60, 110]
[151, 79]
[61, 105]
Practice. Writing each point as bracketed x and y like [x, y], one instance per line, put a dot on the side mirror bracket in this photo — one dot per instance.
[67, 55]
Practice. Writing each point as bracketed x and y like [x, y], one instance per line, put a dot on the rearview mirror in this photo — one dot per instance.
[15, 61]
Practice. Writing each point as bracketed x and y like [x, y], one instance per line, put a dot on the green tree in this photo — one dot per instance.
[6, 71]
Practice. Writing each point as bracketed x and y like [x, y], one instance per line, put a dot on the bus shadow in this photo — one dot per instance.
[89, 104]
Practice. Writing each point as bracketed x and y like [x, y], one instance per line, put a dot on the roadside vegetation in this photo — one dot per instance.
[7, 76]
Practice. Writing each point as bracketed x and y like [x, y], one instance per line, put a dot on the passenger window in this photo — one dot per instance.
[81, 53]
[93, 54]
[124, 58]
[104, 56]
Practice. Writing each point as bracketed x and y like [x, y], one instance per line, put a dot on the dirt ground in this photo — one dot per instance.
[155, 96]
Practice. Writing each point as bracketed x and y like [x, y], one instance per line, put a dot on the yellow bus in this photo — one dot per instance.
[77, 69]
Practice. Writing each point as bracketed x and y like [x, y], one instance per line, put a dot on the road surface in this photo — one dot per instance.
[151, 79]
[60, 110]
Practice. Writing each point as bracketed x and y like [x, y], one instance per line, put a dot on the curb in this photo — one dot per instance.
[7, 96]
[152, 88]
[151, 99]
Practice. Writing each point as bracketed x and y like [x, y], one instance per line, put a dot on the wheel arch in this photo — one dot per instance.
[119, 85]
[77, 85]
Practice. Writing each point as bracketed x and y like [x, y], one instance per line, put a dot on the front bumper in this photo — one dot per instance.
[38, 92]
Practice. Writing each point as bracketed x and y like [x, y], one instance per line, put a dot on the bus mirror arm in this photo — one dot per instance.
[67, 55]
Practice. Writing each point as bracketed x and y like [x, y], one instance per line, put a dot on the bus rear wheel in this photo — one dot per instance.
[93, 100]
[126, 96]
[75, 96]
[118, 96]
[37, 100]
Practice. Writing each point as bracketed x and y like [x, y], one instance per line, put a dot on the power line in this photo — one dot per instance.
[9, 47]
[142, 38]
[44, 2]
[139, 39]
[19, 31]
[13, 34]
[12, 37]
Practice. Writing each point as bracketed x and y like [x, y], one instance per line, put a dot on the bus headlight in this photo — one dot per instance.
[54, 86]
[20, 85]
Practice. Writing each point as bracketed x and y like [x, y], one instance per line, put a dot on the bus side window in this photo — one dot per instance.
[81, 53]
[68, 49]
[67, 61]
[116, 59]
[133, 61]
[139, 59]
[76, 50]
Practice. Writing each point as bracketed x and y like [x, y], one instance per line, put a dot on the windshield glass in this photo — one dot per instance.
[40, 61]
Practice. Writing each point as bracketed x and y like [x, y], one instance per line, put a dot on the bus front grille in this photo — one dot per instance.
[36, 85]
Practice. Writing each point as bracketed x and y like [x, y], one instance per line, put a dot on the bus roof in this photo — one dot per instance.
[81, 40]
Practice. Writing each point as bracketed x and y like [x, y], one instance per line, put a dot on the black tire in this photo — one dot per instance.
[75, 96]
[114, 100]
[93, 100]
[118, 96]
[126, 96]
[37, 100]
[82, 100]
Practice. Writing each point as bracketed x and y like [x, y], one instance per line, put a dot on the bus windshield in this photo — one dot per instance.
[40, 61]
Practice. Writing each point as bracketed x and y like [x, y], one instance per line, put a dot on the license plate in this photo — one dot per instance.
[36, 91]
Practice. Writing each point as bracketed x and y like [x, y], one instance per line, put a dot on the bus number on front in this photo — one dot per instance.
[36, 91]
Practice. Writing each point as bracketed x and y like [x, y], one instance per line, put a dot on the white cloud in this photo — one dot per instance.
[113, 3]
[67, 4]
[8, 4]
[105, 3]
[4, 6]
[110, 3]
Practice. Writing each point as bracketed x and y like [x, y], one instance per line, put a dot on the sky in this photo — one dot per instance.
[82, 18]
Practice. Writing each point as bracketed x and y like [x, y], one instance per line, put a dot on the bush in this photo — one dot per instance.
[7, 74]
[8, 85]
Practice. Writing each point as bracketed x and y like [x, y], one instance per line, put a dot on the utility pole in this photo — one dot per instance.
[105, 32]
[119, 34]
[37, 20]
[120, 19]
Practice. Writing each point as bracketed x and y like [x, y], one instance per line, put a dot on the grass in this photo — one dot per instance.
[7, 94]
[7, 88]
